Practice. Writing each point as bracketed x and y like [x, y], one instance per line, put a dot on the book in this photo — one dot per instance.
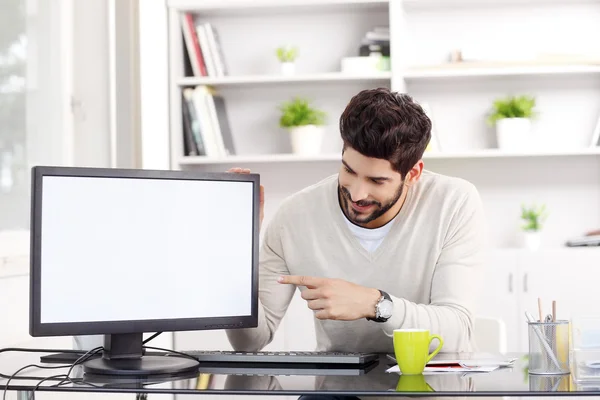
[192, 45]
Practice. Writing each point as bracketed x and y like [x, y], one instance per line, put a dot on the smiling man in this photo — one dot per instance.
[381, 245]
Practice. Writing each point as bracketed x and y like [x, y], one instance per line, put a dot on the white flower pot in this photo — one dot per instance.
[288, 68]
[513, 133]
[532, 240]
[306, 139]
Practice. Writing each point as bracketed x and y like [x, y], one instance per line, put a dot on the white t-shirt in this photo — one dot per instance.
[369, 238]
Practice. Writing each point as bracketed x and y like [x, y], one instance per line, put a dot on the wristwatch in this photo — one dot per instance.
[383, 308]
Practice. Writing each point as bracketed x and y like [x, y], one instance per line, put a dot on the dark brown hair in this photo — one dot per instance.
[382, 124]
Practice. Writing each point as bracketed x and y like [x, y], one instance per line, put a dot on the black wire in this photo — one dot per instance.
[66, 377]
[172, 351]
[55, 377]
[80, 360]
[14, 375]
[84, 357]
[25, 350]
[151, 337]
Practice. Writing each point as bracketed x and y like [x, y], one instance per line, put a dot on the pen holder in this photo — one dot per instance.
[549, 383]
[549, 347]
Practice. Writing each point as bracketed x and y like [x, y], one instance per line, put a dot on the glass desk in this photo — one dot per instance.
[372, 381]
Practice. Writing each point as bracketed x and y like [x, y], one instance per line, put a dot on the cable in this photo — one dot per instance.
[11, 377]
[55, 377]
[14, 375]
[151, 337]
[66, 377]
[23, 350]
[80, 360]
[172, 351]
[84, 357]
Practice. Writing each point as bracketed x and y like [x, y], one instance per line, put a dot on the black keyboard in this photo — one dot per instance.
[284, 357]
[279, 358]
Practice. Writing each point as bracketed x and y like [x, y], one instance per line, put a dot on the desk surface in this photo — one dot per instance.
[373, 381]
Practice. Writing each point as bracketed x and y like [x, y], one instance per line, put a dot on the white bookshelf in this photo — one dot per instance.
[412, 5]
[490, 71]
[423, 32]
[324, 78]
[246, 7]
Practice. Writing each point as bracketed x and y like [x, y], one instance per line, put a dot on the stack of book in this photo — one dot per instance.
[203, 47]
[206, 129]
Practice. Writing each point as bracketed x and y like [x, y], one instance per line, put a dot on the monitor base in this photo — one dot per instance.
[141, 367]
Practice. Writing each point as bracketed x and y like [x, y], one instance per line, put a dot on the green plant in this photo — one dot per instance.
[287, 53]
[512, 107]
[533, 217]
[299, 112]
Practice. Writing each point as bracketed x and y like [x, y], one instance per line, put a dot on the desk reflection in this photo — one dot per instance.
[374, 380]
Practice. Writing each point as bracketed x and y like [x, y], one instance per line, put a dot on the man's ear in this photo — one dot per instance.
[414, 174]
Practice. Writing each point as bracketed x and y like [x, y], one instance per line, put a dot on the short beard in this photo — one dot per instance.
[345, 200]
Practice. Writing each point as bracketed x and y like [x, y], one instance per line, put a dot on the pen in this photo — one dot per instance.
[540, 335]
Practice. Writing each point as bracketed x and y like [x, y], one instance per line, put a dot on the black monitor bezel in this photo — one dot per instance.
[37, 328]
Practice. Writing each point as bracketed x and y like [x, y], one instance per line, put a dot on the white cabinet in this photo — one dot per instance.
[514, 280]
[569, 276]
[499, 294]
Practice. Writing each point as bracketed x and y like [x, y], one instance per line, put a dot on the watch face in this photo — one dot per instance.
[385, 309]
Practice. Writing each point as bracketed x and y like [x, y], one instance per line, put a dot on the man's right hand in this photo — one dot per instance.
[262, 192]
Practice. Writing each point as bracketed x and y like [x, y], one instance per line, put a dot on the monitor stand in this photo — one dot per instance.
[123, 356]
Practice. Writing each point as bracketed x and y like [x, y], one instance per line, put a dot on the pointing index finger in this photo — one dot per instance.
[308, 281]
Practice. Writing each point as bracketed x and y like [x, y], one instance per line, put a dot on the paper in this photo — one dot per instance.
[450, 368]
[474, 363]
[461, 363]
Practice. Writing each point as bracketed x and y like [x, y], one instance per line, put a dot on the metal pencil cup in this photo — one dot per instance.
[549, 383]
[549, 347]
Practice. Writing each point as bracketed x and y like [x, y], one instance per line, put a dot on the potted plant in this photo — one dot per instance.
[533, 218]
[287, 56]
[305, 125]
[512, 117]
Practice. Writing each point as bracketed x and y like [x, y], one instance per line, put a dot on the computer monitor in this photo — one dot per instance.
[121, 252]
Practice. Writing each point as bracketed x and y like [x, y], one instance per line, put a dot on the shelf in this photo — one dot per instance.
[272, 79]
[476, 154]
[451, 4]
[496, 153]
[258, 158]
[450, 71]
[247, 6]
[411, 75]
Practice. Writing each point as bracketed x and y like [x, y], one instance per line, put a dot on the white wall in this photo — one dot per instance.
[74, 41]
[154, 91]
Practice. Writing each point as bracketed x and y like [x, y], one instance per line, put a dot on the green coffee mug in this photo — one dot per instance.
[413, 383]
[411, 347]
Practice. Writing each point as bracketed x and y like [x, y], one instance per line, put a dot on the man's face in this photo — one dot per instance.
[369, 189]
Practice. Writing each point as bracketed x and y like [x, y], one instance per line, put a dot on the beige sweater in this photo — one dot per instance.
[430, 263]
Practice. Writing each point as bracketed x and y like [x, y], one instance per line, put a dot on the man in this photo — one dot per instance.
[382, 245]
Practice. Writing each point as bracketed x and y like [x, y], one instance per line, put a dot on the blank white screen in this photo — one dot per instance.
[117, 249]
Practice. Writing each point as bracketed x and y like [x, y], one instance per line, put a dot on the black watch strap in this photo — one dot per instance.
[386, 297]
